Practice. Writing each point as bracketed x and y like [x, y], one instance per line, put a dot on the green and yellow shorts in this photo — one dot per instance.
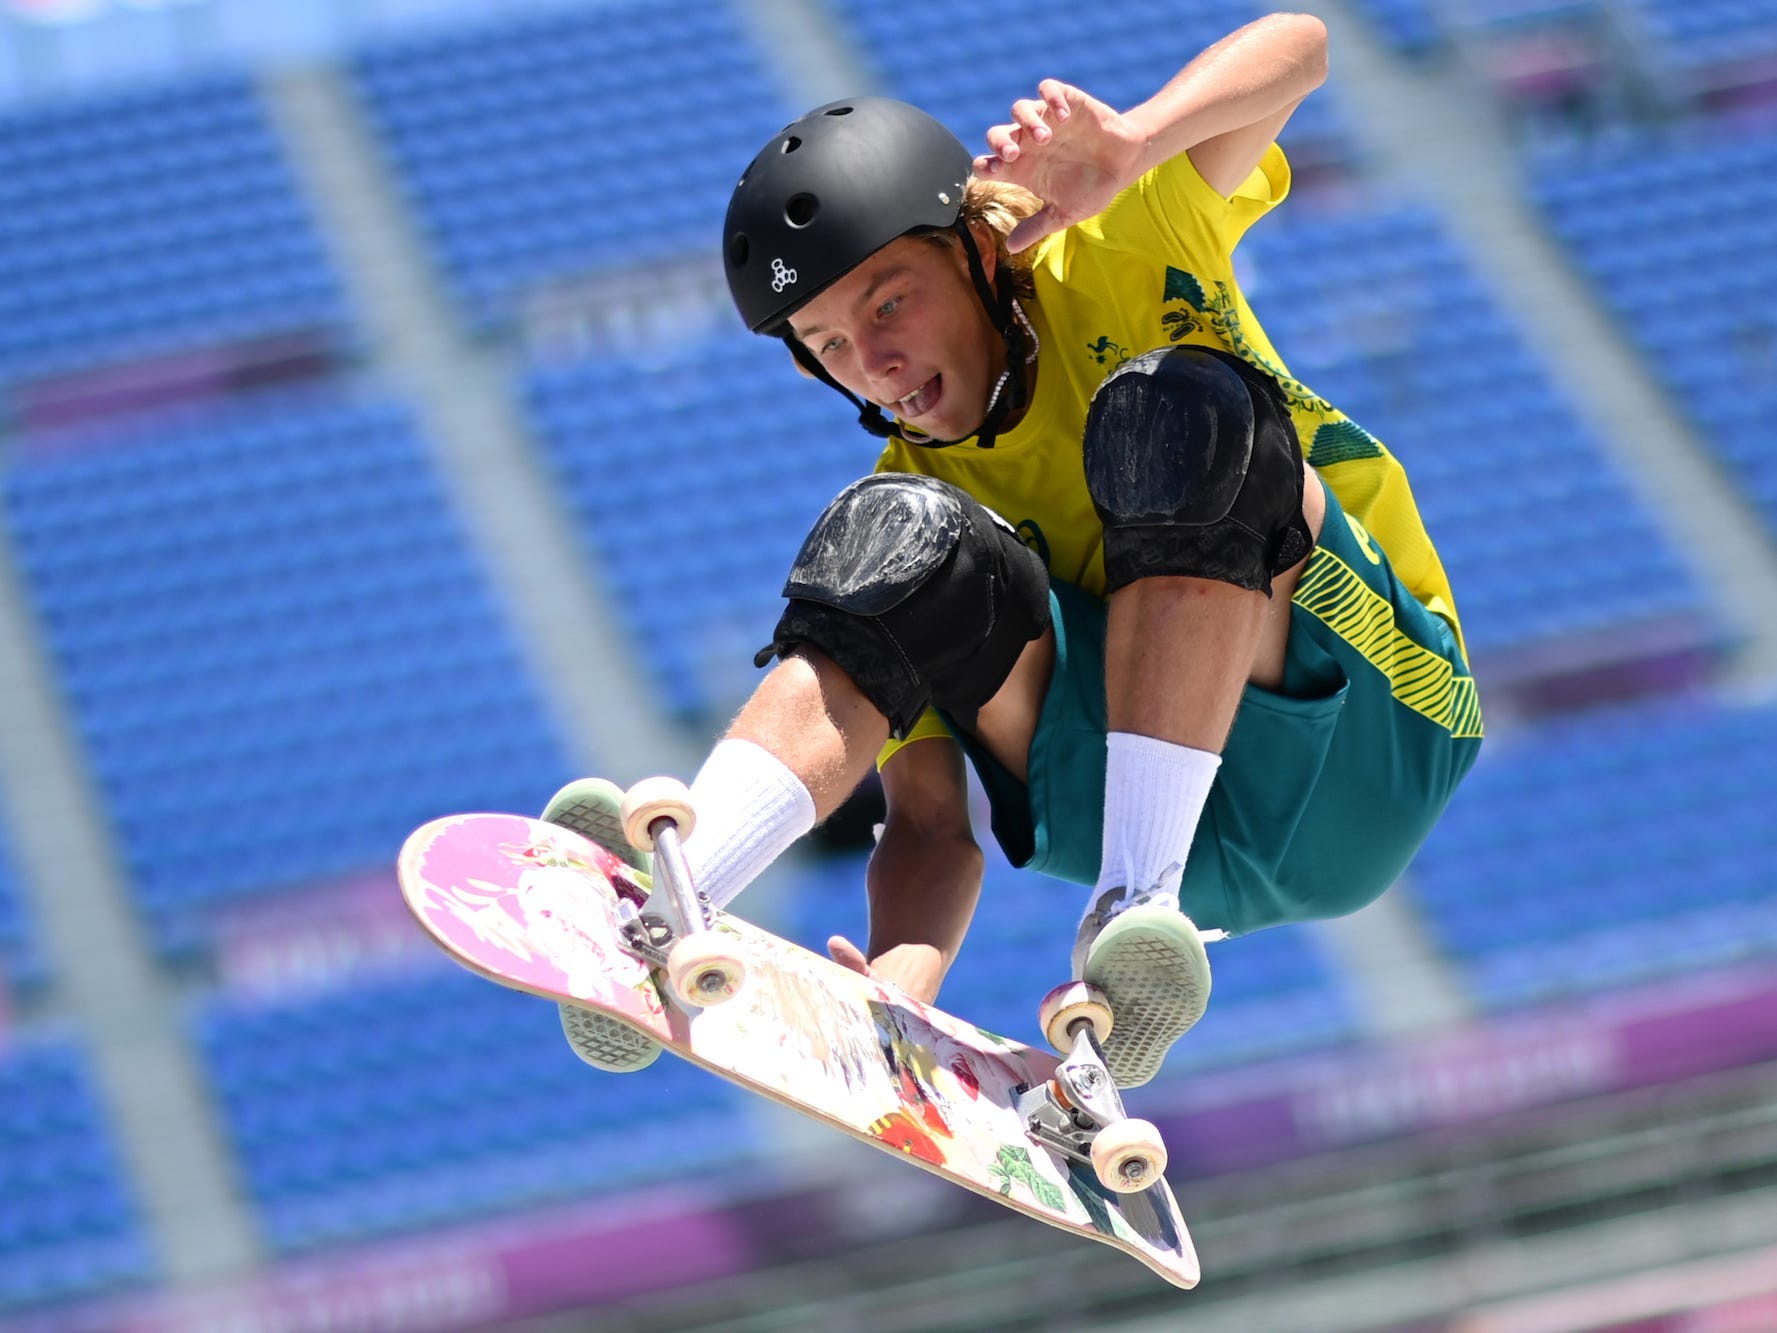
[1327, 786]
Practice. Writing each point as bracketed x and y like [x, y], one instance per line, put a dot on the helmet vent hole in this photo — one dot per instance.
[790, 145]
[800, 211]
[737, 249]
[839, 111]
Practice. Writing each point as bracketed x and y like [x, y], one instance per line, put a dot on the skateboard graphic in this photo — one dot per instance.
[541, 909]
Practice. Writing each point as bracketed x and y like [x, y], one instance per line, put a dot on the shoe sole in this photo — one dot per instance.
[1151, 965]
[593, 808]
[606, 1044]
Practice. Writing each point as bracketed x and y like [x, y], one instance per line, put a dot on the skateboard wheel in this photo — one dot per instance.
[1069, 1004]
[652, 799]
[705, 969]
[1129, 1156]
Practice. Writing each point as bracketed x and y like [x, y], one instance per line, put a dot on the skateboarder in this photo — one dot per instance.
[1222, 687]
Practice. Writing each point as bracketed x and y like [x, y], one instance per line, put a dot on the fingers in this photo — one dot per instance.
[1002, 146]
[1033, 122]
[1058, 97]
[847, 954]
[1028, 114]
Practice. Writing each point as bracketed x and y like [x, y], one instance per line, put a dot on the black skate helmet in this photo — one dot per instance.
[831, 190]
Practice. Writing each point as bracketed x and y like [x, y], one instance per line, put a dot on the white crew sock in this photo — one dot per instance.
[1153, 797]
[750, 808]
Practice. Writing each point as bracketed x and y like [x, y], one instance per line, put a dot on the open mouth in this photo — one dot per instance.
[921, 400]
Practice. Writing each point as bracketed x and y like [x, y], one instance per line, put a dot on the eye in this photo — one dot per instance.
[832, 344]
[887, 308]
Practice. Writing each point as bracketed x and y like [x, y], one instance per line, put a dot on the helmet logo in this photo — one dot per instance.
[781, 277]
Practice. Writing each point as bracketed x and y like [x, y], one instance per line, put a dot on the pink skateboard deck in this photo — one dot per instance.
[534, 907]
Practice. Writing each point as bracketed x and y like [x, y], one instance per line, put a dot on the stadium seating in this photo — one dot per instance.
[1682, 223]
[974, 63]
[562, 144]
[1275, 995]
[279, 653]
[692, 481]
[68, 1224]
[1381, 313]
[429, 1096]
[1408, 26]
[1688, 38]
[149, 222]
[1608, 848]
[276, 647]
[21, 962]
[1692, 38]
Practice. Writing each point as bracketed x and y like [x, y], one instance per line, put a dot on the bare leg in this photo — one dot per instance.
[1178, 654]
[1007, 722]
[1179, 651]
[817, 723]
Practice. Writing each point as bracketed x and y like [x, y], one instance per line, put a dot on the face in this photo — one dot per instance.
[906, 330]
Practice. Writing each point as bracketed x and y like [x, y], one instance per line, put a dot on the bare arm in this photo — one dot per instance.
[1228, 105]
[925, 875]
[1224, 109]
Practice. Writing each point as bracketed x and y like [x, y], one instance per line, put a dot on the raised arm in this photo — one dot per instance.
[1228, 105]
[1224, 109]
[925, 875]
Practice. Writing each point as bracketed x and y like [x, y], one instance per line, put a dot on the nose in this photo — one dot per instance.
[881, 359]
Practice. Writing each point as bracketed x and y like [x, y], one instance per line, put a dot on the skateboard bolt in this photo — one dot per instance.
[1088, 1079]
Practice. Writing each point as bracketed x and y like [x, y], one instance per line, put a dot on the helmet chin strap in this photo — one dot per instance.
[1011, 392]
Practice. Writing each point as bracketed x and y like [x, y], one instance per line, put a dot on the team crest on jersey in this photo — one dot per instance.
[1215, 312]
[1105, 351]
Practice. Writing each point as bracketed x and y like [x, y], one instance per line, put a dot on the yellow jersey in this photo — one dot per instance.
[1156, 268]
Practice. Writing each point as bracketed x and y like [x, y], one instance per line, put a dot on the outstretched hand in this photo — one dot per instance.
[1069, 149]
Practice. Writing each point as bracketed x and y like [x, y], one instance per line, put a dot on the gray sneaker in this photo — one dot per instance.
[592, 807]
[1148, 958]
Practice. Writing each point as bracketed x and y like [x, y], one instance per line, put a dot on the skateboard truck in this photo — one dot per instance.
[701, 964]
[1078, 1111]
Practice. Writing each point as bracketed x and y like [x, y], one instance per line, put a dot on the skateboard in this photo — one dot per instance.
[542, 909]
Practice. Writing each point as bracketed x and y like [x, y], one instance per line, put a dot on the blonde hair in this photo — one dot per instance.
[1000, 206]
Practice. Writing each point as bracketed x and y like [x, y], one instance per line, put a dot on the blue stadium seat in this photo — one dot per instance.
[1697, 39]
[1411, 27]
[971, 67]
[543, 148]
[430, 1095]
[1381, 313]
[1687, 213]
[692, 480]
[150, 222]
[277, 648]
[1607, 848]
[68, 1225]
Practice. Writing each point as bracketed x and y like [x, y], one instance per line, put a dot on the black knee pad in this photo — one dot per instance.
[1195, 469]
[920, 594]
